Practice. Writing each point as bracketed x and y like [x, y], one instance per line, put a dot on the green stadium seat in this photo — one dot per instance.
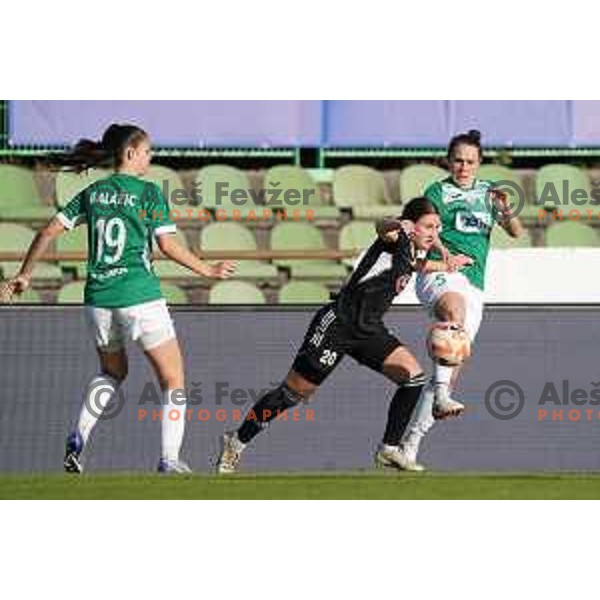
[71, 293]
[19, 197]
[235, 292]
[229, 179]
[18, 238]
[29, 296]
[363, 190]
[549, 184]
[570, 234]
[491, 172]
[15, 238]
[303, 236]
[74, 240]
[357, 235]
[289, 177]
[303, 292]
[500, 240]
[234, 237]
[170, 185]
[414, 180]
[173, 294]
[69, 184]
[320, 176]
[42, 270]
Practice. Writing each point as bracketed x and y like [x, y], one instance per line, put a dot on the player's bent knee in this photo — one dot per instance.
[448, 344]
[401, 365]
[115, 366]
[451, 306]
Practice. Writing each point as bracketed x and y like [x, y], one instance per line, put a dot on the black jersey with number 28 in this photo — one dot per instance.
[381, 273]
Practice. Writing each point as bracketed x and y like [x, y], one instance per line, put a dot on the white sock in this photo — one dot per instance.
[387, 448]
[99, 392]
[442, 376]
[172, 424]
[421, 423]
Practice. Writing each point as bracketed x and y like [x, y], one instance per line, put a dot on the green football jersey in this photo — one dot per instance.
[123, 213]
[467, 222]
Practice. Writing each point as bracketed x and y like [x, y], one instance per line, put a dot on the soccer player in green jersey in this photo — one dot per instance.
[469, 208]
[123, 300]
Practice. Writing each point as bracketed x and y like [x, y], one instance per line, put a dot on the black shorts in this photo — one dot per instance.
[328, 340]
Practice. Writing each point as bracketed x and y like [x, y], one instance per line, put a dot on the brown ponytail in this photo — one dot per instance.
[106, 153]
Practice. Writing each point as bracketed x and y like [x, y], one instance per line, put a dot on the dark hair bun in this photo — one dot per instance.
[475, 135]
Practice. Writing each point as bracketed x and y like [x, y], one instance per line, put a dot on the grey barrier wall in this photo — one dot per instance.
[46, 357]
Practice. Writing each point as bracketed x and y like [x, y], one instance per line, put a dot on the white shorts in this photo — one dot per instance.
[149, 324]
[429, 287]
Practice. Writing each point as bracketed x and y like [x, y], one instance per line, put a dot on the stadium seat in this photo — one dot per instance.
[169, 183]
[69, 184]
[74, 241]
[19, 197]
[17, 238]
[235, 292]
[303, 292]
[229, 179]
[570, 234]
[71, 293]
[363, 190]
[357, 235]
[500, 240]
[492, 172]
[322, 176]
[289, 177]
[173, 294]
[414, 180]
[44, 271]
[29, 296]
[303, 236]
[549, 185]
[233, 236]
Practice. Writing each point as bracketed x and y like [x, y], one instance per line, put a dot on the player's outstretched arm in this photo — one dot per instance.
[37, 249]
[176, 252]
[510, 223]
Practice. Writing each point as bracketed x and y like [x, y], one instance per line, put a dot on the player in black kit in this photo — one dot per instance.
[352, 323]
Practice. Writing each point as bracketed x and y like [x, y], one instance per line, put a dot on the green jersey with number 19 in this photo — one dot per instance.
[123, 213]
[467, 222]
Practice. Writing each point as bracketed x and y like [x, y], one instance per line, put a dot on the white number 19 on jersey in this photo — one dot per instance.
[112, 235]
